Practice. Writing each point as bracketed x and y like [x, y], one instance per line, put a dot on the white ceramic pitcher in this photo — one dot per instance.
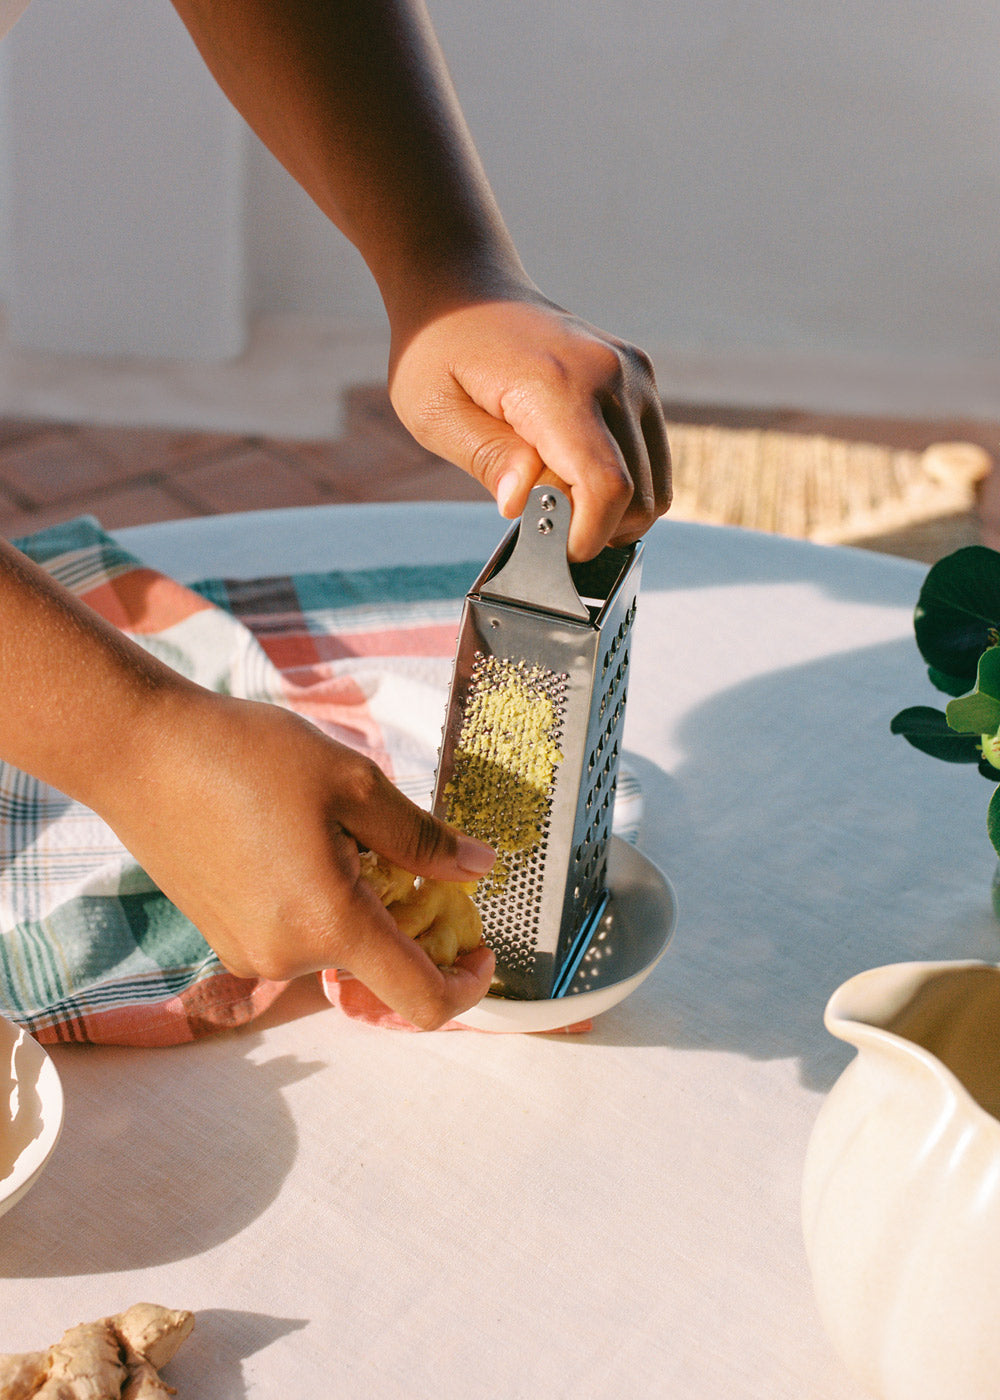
[901, 1192]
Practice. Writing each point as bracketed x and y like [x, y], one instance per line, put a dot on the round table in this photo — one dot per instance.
[353, 1211]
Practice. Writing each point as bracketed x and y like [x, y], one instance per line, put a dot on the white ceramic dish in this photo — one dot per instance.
[632, 937]
[31, 1112]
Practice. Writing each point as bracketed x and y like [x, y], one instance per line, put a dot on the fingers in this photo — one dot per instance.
[579, 451]
[654, 432]
[486, 446]
[401, 974]
[377, 814]
[616, 460]
[608, 448]
[529, 388]
[578, 447]
[370, 943]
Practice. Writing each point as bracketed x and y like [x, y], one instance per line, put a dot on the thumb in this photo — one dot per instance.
[398, 829]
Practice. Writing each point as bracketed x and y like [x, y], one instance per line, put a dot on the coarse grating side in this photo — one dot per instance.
[532, 740]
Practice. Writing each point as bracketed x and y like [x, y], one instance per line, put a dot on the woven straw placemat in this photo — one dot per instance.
[817, 487]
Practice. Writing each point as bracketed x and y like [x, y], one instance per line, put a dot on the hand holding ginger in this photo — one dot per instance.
[244, 814]
[438, 915]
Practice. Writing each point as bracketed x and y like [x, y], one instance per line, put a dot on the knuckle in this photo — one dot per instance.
[619, 488]
[548, 375]
[431, 1014]
[364, 783]
[486, 460]
[612, 359]
[639, 362]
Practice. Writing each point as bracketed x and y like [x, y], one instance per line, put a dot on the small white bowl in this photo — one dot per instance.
[632, 937]
[31, 1112]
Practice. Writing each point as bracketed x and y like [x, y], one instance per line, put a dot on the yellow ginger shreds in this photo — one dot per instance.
[390, 882]
[505, 762]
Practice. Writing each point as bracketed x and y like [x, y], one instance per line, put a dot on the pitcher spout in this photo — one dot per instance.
[943, 1014]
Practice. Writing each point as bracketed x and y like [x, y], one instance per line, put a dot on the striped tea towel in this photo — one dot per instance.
[90, 950]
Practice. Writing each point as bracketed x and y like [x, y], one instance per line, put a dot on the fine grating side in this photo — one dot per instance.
[532, 741]
[501, 790]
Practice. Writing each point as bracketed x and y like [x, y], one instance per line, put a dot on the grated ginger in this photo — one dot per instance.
[505, 762]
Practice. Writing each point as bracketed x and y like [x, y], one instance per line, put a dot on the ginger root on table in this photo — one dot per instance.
[438, 914]
[115, 1358]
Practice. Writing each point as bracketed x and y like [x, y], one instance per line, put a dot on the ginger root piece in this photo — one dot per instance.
[438, 914]
[86, 1364]
[153, 1332]
[144, 1383]
[442, 918]
[115, 1358]
[20, 1376]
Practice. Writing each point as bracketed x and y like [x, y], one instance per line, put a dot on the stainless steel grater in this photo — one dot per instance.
[532, 740]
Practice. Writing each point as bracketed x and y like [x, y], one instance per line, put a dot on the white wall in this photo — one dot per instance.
[124, 182]
[750, 189]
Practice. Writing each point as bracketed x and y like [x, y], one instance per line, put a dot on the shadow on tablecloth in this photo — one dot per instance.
[210, 1362]
[194, 1153]
[806, 843]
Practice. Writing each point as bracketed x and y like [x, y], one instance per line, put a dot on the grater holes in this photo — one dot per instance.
[511, 912]
[505, 758]
[596, 809]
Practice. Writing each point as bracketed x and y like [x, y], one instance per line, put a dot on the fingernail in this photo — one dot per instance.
[506, 487]
[473, 856]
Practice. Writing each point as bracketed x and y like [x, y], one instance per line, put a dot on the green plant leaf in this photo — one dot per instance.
[958, 607]
[993, 820]
[929, 731]
[951, 685]
[974, 714]
[979, 712]
[988, 672]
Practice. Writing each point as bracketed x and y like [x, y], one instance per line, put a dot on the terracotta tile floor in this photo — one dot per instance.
[132, 476]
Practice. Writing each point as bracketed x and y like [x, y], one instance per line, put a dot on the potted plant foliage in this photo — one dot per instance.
[957, 626]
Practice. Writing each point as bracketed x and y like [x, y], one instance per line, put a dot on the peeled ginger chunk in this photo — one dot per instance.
[438, 914]
[388, 881]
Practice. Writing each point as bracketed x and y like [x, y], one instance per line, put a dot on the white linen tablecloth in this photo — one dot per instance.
[358, 1212]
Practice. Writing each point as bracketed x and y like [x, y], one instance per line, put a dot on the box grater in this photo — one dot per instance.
[532, 740]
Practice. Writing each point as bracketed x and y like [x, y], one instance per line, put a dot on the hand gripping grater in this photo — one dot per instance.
[532, 740]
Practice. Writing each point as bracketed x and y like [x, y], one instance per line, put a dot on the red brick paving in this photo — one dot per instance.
[140, 450]
[132, 476]
[250, 478]
[51, 466]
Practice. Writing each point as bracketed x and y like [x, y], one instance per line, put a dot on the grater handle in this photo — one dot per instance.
[537, 572]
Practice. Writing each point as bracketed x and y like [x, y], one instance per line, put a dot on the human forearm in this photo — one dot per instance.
[75, 693]
[353, 97]
[245, 815]
[355, 101]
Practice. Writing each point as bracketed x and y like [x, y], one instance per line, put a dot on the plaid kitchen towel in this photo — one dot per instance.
[90, 950]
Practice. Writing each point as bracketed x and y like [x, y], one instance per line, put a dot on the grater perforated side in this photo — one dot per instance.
[532, 740]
